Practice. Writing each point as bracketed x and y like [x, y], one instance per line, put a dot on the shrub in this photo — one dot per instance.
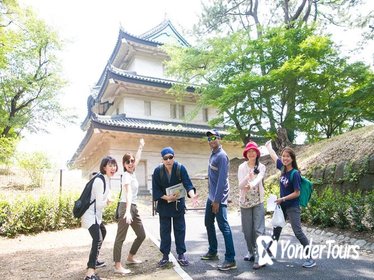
[357, 211]
[28, 215]
[34, 164]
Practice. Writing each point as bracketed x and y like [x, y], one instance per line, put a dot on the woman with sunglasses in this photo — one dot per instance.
[128, 213]
[171, 207]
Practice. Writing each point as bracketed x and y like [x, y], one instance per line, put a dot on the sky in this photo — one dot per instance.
[89, 30]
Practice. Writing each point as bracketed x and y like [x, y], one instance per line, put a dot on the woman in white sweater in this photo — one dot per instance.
[251, 199]
[92, 218]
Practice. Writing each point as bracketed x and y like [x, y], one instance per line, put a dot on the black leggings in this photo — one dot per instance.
[293, 215]
[98, 233]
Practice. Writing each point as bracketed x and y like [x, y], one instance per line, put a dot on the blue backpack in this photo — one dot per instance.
[84, 201]
[306, 189]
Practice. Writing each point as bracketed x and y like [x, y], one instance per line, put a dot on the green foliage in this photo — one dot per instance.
[329, 207]
[34, 164]
[274, 79]
[109, 212]
[357, 211]
[29, 215]
[30, 73]
[370, 210]
[7, 149]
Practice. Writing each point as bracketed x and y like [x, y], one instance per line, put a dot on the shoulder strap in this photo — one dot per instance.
[179, 166]
[120, 187]
[101, 176]
[161, 170]
[292, 174]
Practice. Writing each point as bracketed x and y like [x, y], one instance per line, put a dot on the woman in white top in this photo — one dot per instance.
[128, 213]
[250, 176]
[92, 218]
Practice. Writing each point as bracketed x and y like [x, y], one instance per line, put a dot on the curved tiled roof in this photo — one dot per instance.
[135, 125]
[123, 123]
[125, 76]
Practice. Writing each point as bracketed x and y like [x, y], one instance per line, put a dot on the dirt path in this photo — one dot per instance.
[64, 254]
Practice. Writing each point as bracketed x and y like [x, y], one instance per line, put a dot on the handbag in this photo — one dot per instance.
[278, 217]
[116, 214]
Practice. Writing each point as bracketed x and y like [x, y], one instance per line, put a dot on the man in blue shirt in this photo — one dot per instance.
[216, 205]
[170, 207]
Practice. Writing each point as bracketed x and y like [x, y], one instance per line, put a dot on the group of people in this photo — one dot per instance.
[171, 206]
[127, 213]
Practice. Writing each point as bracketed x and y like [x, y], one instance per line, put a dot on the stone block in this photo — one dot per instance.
[328, 176]
[339, 172]
[371, 164]
[366, 182]
[318, 174]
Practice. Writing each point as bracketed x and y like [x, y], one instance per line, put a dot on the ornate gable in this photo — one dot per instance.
[165, 33]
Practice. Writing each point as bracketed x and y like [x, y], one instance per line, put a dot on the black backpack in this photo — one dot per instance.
[84, 201]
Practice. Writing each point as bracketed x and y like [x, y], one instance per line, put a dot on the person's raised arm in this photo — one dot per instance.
[272, 153]
[139, 152]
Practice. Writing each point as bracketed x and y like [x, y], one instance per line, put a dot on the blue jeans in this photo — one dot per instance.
[224, 227]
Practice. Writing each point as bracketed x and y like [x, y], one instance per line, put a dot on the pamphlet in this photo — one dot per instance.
[271, 203]
[178, 190]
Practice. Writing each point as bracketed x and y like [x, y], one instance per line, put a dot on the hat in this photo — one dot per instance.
[251, 145]
[213, 132]
[167, 150]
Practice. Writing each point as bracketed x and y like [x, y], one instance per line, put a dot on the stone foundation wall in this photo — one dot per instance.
[345, 175]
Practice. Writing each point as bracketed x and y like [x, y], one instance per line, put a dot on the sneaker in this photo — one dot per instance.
[210, 257]
[163, 262]
[100, 264]
[309, 263]
[182, 260]
[227, 266]
[121, 271]
[249, 258]
[133, 261]
[257, 266]
[92, 277]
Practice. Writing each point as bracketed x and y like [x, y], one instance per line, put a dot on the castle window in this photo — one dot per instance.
[181, 111]
[205, 115]
[147, 108]
[173, 111]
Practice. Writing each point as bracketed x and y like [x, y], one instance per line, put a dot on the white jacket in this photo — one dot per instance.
[88, 218]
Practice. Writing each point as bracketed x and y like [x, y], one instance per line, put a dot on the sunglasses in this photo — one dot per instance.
[211, 138]
[168, 157]
[130, 161]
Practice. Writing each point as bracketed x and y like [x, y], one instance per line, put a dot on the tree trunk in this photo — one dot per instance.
[282, 140]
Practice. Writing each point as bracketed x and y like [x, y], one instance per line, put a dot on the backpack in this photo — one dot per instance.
[306, 189]
[178, 172]
[84, 201]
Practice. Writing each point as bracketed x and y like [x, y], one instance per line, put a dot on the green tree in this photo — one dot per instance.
[30, 78]
[35, 164]
[253, 74]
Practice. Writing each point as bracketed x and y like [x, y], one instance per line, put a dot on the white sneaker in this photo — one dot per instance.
[122, 271]
[309, 263]
[249, 258]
